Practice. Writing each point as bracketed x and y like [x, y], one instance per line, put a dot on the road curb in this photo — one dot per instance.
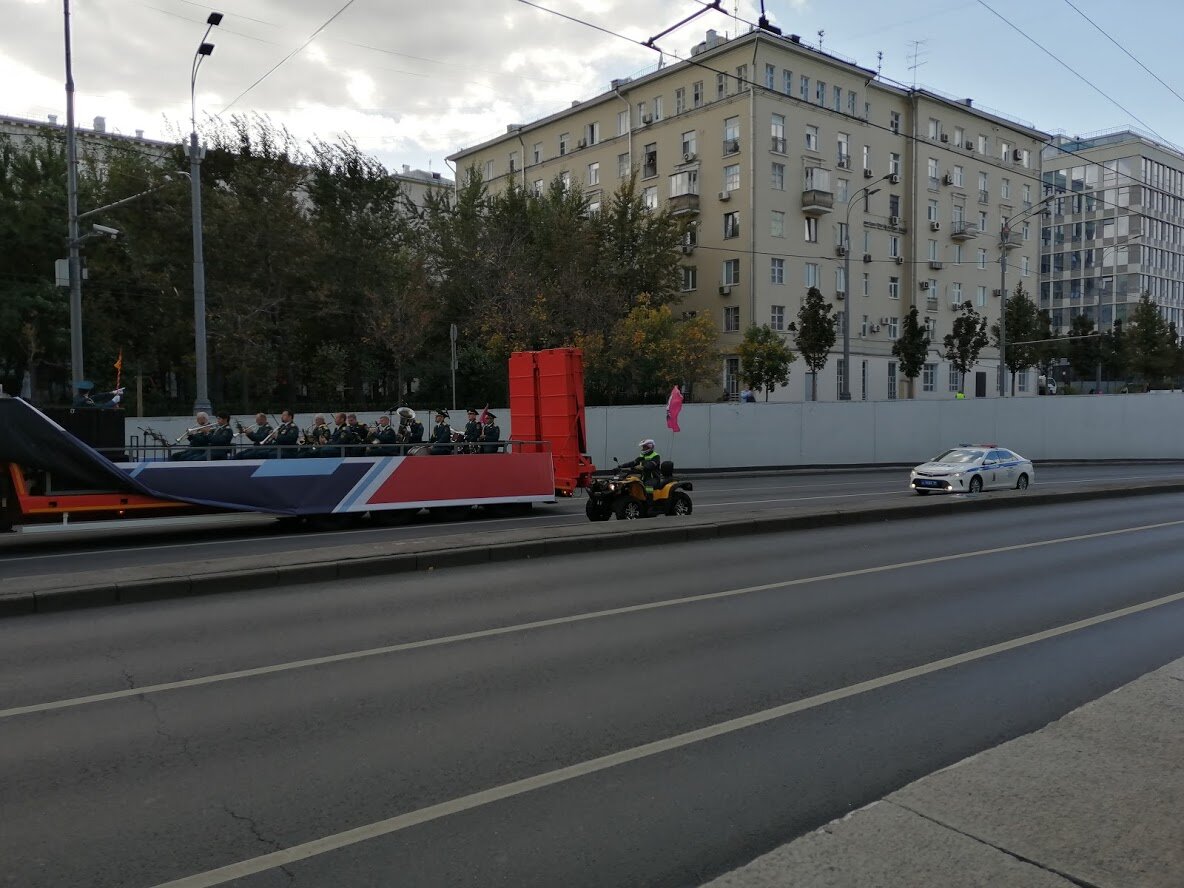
[582, 539]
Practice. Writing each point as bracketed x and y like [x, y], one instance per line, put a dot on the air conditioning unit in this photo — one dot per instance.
[969, 145]
[725, 290]
[924, 285]
[894, 179]
[647, 119]
[899, 260]
[996, 292]
[583, 143]
[956, 304]
[840, 250]
[945, 137]
[725, 195]
[867, 257]
[840, 294]
[1017, 155]
[689, 156]
[687, 249]
[935, 226]
[867, 174]
[874, 328]
[935, 264]
[894, 221]
[947, 179]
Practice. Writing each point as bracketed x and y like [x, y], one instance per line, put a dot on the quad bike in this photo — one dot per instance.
[624, 495]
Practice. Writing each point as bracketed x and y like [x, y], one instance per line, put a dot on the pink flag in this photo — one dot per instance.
[673, 408]
[484, 415]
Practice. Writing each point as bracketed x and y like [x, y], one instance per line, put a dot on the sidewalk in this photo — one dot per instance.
[1093, 800]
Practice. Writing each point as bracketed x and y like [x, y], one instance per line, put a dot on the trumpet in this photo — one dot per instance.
[247, 430]
[193, 431]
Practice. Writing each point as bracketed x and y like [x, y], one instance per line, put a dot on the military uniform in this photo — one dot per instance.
[198, 442]
[345, 440]
[441, 435]
[490, 435]
[472, 433]
[220, 440]
[387, 439]
[258, 451]
[287, 436]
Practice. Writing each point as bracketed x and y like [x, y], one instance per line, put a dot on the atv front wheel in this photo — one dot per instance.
[597, 510]
[629, 509]
[680, 504]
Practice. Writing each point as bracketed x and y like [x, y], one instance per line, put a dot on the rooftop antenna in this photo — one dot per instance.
[916, 58]
[821, 34]
[879, 62]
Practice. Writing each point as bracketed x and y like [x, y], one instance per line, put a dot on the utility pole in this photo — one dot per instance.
[75, 261]
[202, 397]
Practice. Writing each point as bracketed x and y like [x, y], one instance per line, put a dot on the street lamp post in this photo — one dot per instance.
[74, 262]
[202, 399]
[1006, 244]
[867, 191]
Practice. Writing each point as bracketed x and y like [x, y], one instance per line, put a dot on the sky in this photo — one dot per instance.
[412, 82]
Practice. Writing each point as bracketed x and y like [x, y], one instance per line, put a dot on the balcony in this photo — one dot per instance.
[961, 231]
[984, 196]
[816, 202]
[731, 146]
[684, 204]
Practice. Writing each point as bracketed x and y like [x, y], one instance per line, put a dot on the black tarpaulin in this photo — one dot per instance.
[31, 439]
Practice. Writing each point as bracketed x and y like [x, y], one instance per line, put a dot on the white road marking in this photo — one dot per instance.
[326, 844]
[440, 641]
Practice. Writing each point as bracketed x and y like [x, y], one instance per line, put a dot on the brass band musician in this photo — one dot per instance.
[199, 440]
[260, 435]
[384, 439]
[472, 432]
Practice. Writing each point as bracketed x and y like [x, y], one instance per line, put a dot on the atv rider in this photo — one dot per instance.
[649, 465]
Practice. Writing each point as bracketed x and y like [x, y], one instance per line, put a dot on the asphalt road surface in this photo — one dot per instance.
[644, 718]
[162, 541]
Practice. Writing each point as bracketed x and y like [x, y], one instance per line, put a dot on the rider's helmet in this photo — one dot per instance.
[647, 445]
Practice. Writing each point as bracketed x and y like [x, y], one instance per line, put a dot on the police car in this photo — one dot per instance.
[971, 468]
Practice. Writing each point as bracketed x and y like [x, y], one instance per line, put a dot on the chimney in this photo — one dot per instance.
[53, 119]
[139, 134]
[406, 169]
[100, 124]
[712, 39]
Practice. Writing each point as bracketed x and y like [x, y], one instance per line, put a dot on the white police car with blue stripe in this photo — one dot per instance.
[972, 469]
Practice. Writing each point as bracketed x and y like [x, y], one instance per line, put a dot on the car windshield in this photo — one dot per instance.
[959, 456]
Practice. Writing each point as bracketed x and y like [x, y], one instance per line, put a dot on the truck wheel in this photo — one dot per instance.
[629, 509]
[598, 511]
[680, 504]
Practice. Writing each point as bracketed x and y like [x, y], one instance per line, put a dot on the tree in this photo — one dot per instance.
[966, 341]
[765, 359]
[912, 347]
[815, 335]
[1084, 348]
[1114, 352]
[1024, 325]
[1152, 343]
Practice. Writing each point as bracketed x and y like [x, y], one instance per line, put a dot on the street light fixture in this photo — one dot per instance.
[866, 192]
[1006, 244]
[202, 397]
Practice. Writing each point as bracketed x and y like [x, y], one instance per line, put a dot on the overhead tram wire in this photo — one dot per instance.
[274, 67]
[1124, 50]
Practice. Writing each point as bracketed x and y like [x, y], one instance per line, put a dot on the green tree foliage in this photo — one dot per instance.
[1024, 327]
[1152, 344]
[912, 347]
[967, 340]
[765, 359]
[815, 335]
[1084, 348]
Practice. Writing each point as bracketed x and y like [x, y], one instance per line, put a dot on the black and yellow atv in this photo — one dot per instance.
[623, 495]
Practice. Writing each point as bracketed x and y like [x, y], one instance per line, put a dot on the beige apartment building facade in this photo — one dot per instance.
[794, 164]
[1114, 230]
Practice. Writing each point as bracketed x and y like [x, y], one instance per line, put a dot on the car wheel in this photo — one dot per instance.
[1022, 483]
[976, 484]
[680, 504]
[598, 511]
[629, 509]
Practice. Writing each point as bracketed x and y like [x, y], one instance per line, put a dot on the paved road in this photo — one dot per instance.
[167, 541]
[475, 752]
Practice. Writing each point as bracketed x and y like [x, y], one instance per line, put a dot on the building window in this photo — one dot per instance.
[982, 258]
[657, 109]
[537, 187]
[732, 177]
[929, 378]
[980, 297]
[564, 139]
[513, 161]
[592, 133]
[622, 122]
[959, 176]
[777, 132]
[680, 100]
[1021, 380]
[731, 135]
[690, 278]
[776, 223]
[594, 206]
[840, 279]
[697, 94]
[593, 174]
[721, 85]
[1026, 265]
[867, 289]
[649, 197]
[565, 180]
[982, 144]
[686, 182]
[649, 165]
[892, 380]
[537, 152]
[811, 137]
[894, 205]
[843, 150]
[689, 144]
[894, 122]
[732, 319]
[488, 172]
[810, 275]
[811, 229]
[731, 272]
[1004, 151]
[804, 88]
[867, 157]
[787, 81]
[956, 293]
[623, 166]
[893, 246]
[770, 76]
[955, 381]
[820, 93]
[778, 182]
[776, 271]
[732, 224]
[932, 213]
[959, 136]
[932, 170]
[852, 102]
[777, 317]
[894, 163]
[842, 189]
[893, 328]
[837, 98]
[932, 258]
[1005, 188]
[732, 377]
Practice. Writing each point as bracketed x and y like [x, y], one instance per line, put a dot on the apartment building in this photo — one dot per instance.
[1114, 228]
[793, 161]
